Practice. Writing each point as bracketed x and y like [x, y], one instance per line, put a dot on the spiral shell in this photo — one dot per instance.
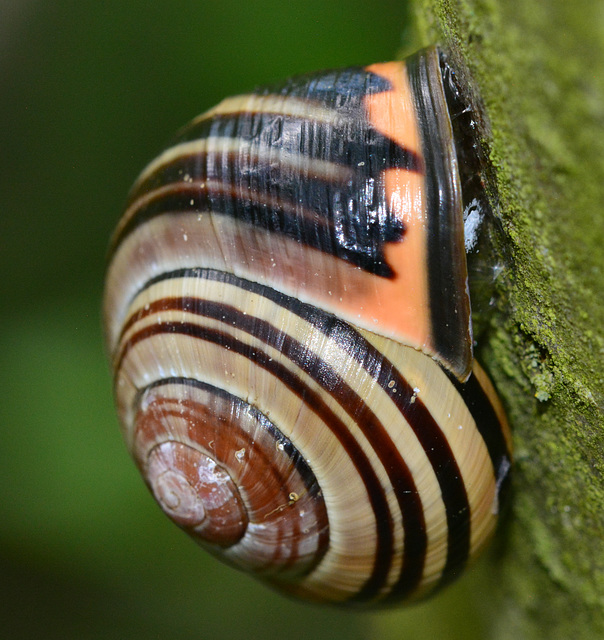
[288, 317]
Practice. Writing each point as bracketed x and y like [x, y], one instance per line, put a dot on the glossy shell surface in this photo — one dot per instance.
[288, 315]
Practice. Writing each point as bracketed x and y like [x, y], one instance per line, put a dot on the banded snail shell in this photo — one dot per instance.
[288, 316]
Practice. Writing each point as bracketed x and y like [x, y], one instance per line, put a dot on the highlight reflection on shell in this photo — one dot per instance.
[289, 322]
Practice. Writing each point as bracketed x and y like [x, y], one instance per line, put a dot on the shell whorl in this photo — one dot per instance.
[345, 460]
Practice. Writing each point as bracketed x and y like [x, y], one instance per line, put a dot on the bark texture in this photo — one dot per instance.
[539, 69]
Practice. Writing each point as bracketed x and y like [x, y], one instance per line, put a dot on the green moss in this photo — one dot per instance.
[537, 68]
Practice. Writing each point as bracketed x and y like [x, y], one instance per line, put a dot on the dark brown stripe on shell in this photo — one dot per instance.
[442, 459]
[425, 427]
[432, 440]
[479, 404]
[260, 209]
[298, 463]
[272, 143]
[297, 459]
[375, 491]
[338, 217]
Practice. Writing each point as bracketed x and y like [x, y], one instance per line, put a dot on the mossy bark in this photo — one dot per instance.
[539, 68]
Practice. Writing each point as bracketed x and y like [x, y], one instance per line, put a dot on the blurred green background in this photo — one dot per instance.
[89, 93]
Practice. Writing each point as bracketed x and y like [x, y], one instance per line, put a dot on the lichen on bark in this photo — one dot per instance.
[538, 68]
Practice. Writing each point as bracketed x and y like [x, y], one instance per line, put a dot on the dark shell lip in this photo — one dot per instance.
[447, 269]
[486, 252]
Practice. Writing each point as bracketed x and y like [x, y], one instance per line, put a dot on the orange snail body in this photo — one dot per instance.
[289, 321]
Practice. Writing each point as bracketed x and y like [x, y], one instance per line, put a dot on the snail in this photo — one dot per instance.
[288, 318]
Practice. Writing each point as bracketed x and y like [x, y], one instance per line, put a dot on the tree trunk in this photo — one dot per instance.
[538, 67]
